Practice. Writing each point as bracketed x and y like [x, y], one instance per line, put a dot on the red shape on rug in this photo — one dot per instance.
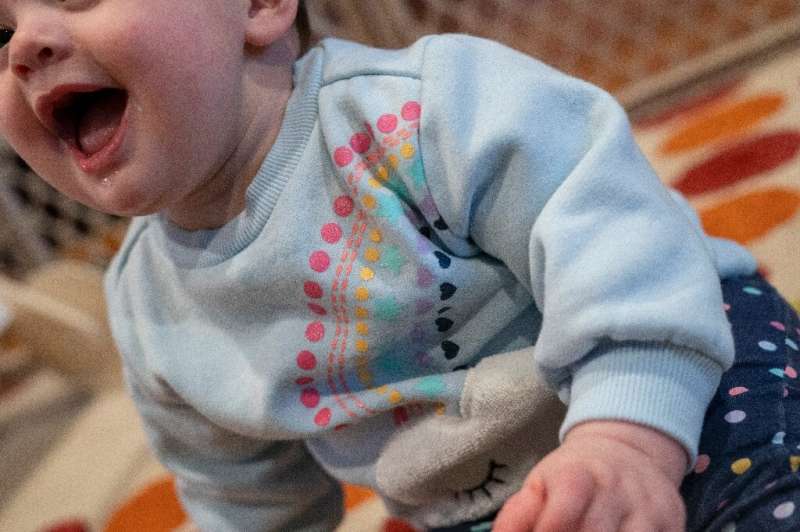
[397, 525]
[71, 525]
[742, 161]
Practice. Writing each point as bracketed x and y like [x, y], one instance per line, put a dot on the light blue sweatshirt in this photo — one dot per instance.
[443, 241]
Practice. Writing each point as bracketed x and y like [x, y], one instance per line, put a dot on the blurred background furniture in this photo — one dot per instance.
[614, 44]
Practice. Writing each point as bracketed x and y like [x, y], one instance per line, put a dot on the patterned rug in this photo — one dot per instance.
[731, 148]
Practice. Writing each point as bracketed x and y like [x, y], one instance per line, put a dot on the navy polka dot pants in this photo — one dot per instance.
[746, 478]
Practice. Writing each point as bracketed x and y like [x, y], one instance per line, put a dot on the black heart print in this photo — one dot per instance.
[444, 260]
[446, 290]
[443, 324]
[450, 349]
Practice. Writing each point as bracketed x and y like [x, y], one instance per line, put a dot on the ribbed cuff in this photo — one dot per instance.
[659, 385]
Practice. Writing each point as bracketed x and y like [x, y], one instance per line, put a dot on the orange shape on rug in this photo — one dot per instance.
[751, 216]
[355, 495]
[153, 509]
[724, 121]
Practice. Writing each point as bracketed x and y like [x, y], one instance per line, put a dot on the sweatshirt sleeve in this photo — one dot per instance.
[228, 482]
[541, 171]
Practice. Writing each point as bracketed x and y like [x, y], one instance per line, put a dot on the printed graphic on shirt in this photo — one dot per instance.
[386, 182]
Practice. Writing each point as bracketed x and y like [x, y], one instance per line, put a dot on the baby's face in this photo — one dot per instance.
[128, 106]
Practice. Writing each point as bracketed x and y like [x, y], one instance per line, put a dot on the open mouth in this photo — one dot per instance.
[88, 121]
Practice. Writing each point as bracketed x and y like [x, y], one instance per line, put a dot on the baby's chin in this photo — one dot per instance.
[112, 195]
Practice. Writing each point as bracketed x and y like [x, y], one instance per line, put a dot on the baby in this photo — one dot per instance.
[393, 269]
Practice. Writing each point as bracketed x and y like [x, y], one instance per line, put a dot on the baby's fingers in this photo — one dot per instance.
[520, 511]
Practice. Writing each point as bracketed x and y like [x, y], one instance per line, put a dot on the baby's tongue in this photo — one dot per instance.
[100, 121]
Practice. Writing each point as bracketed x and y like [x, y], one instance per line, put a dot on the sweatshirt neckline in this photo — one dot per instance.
[212, 246]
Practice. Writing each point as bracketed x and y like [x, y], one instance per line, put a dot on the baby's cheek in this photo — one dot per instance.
[10, 108]
[21, 129]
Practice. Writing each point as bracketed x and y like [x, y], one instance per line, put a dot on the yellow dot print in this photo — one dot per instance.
[382, 172]
[367, 274]
[394, 162]
[383, 389]
[374, 183]
[741, 465]
[376, 236]
[362, 346]
[362, 328]
[407, 151]
[395, 397]
[372, 254]
[369, 201]
[362, 313]
[362, 293]
[365, 377]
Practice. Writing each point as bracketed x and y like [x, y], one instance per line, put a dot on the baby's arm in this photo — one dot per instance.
[550, 182]
[606, 476]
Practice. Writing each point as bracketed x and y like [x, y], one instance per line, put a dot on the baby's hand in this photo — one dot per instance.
[606, 476]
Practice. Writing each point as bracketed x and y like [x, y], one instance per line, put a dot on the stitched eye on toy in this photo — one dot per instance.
[5, 36]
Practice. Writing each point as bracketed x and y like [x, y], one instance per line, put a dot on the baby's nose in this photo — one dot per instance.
[35, 47]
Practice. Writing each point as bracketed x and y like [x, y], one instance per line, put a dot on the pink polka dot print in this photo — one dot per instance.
[331, 233]
[387, 123]
[360, 142]
[323, 417]
[319, 261]
[317, 309]
[312, 289]
[306, 360]
[315, 331]
[342, 156]
[309, 397]
[411, 111]
[343, 206]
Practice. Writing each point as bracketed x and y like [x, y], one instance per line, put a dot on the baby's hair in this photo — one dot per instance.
[303, 26]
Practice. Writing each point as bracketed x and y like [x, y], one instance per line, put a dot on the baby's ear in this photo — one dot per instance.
[269, 20]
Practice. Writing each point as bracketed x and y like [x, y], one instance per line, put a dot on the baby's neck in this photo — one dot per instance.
[267, 86]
